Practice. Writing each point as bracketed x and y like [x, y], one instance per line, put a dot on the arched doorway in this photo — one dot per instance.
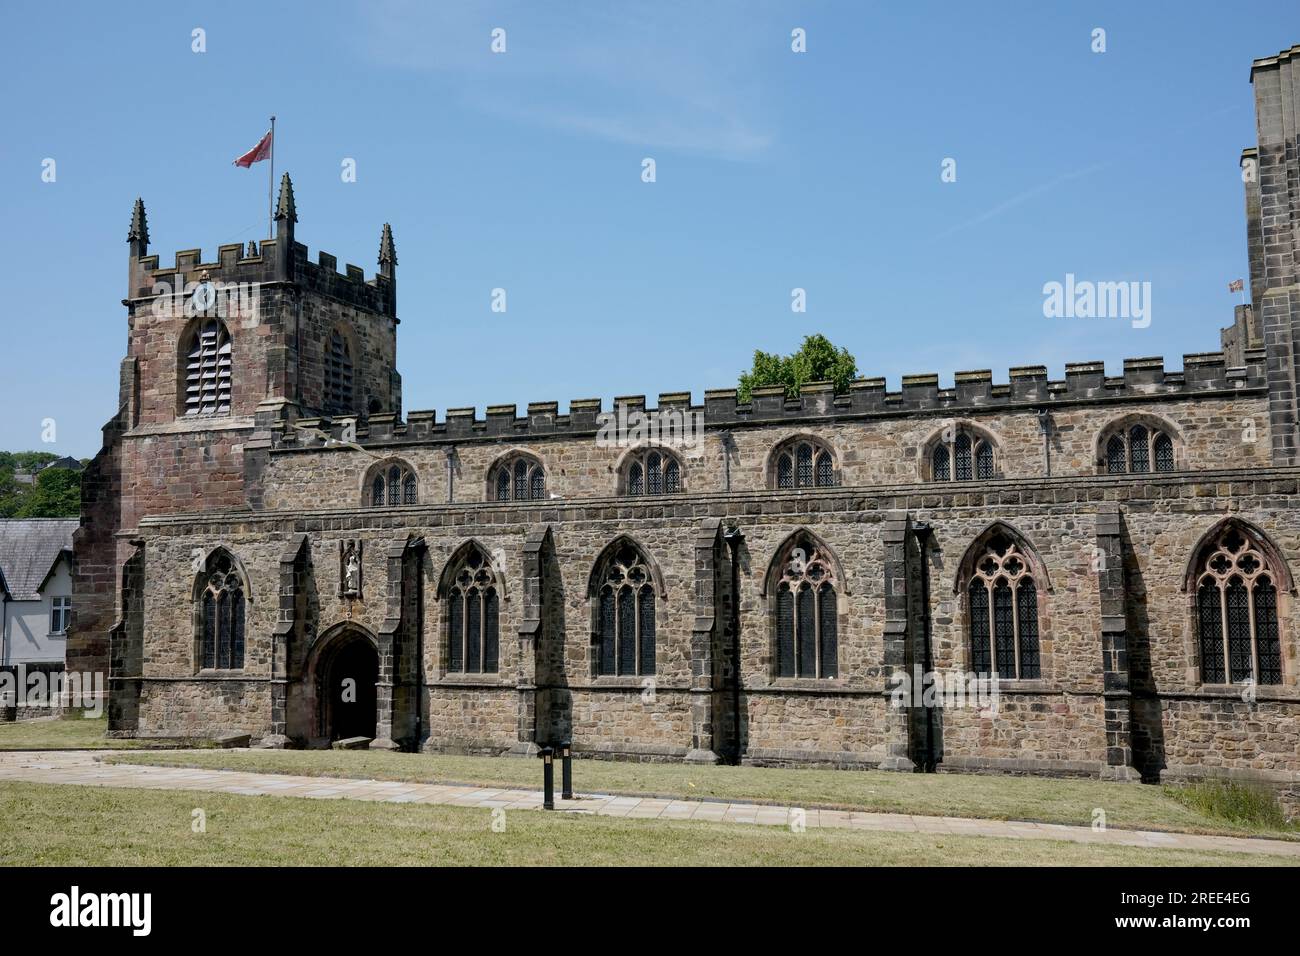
[346, 670]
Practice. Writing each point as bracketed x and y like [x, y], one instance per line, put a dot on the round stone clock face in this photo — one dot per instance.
[205, 297]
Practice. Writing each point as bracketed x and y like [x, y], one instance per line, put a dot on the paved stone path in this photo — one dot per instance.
[82, 767]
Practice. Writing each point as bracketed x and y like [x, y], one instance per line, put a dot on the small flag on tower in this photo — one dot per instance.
[258, 153]
[1236, 285]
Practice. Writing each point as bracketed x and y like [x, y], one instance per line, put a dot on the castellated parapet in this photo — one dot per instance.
[1144, 380]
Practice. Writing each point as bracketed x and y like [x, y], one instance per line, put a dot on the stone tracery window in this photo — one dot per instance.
[803, 463]
[1003, 612]
[518, 477]
[652, 471]
[221, 614]
[807, 611]
[338, 375]
[208, 370]
[962, 454]
[1137, 448]
[474, 616]
[1237, 612]
[392, 484]
[625, 615]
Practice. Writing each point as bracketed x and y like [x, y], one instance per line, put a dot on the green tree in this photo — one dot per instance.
[56, 494]
[816, 361]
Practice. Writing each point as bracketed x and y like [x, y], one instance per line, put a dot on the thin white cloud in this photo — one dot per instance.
[1020, 198]
[646, 81]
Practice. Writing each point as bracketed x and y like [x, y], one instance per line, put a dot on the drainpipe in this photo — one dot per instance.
[734, 538]
[1045, 424]
[725, 437]
[923, 532]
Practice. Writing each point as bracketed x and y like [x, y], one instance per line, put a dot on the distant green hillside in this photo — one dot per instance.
[52, 493]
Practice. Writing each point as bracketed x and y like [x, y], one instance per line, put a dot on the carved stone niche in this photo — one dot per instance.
[350, 565]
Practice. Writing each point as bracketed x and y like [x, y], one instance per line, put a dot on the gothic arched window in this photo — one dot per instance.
[807, 611]
[208, 370]
[391, 484]
[338, 375]
[1137, 448]
[1237, 611]
[517, 478]
[803, 463]
[652, 471]
[625, 614]
[473, 615]
[961, 454]
[1003, 611]
[220, 599]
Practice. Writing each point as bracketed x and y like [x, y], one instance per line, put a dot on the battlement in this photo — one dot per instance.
[234, 264]
[1027, 388]
[276, 260]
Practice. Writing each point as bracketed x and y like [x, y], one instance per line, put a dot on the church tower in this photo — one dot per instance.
[218, 354]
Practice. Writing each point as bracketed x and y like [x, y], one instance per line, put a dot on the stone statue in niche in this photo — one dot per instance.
[350, 569]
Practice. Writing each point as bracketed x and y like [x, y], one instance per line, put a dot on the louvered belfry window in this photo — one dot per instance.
[807, 613]
[1237, 612]
[625, 615]
[962, 455]
[517, 478]
[1138, 450]
[221, 613]
[652, 471]
[473, 616]
[1003, 602]
[338, 376]
[804, 463]
[208, 370]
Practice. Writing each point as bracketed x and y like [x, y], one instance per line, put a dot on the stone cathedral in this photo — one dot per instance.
[270, 546]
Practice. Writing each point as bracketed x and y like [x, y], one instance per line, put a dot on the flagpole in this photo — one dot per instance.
[270, 188]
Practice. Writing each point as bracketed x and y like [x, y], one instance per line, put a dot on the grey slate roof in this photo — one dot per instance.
[28, 549]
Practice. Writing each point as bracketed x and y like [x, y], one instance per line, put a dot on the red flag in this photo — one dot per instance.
[258, 153]
[1235, 285]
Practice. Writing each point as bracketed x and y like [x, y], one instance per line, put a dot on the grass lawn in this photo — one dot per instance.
[70, 733]
[1039, 799]
[52, 824]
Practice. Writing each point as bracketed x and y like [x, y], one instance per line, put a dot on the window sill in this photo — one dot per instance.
[806, 683]
[471, 679]
[621, 680]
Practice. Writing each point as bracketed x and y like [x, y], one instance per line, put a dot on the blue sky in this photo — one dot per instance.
[522, 170]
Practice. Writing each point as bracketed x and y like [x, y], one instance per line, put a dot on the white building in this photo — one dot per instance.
[35, 589]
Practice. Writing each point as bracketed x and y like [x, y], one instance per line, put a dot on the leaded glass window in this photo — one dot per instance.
[652, 471]
[962, 455]
[1138, 450]
[940, 464]
[804, 463]
[393, 484]
[221, 614]
[518, 478]
[473, 615]
[625, 615]
[807, 612]
[1236, 612]
[1003, 612]
[208, 370]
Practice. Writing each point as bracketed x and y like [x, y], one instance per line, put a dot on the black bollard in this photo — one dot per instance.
[548, 778]
[566, 771]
